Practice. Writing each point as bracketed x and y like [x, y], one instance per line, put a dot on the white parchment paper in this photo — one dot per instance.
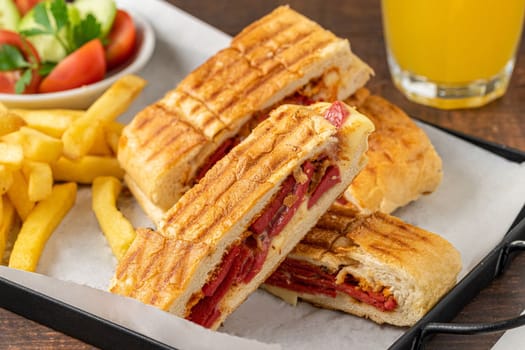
[478, 199]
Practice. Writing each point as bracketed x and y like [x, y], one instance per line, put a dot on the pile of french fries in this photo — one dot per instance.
[44, 155]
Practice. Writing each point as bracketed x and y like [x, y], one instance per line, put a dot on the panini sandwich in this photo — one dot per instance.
[227, 234]
[281, 58]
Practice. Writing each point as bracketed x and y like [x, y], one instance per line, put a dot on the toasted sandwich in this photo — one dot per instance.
[402, 162]
[374, 266]
[228, 233]
[281, 58]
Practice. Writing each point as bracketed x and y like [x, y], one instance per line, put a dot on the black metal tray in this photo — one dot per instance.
[109, 335]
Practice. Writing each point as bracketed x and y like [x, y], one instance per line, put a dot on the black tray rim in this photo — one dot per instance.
[486, 270]
[106, 334]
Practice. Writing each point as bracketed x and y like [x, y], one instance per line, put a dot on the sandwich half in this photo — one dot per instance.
[374, 266]
[281, 58]
[227, 234]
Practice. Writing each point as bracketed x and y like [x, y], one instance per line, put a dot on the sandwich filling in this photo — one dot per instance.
[298, 98]
[303, 277]
[244, 260]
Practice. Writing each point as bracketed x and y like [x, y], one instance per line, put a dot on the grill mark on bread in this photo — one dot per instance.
[155, 139]
[189, 212]
[273, 74]
[307, 48]
[172, 270]
[174, 136]
[146, 240]
[387, 234]
[278, 69]
[390, 239]
[256, 26]
[220, 180]
[225, 59]
[146, 270]
[258, 61]
[142, 122]
[200, 104]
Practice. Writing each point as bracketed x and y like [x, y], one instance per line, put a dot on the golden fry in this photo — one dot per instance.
[113, 131]
[39, 146]
[118, 230]
[52, 122]
[39, 180]
[6, 223]
[14, 138]
[100, 146]
[86, 169]
[10, 122]
[6, 179]
[19, 195]
[11, 155]
[80, 136]
[39, 226]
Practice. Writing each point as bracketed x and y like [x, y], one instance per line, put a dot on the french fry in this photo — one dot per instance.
[52, 122]
[19, 196]
[80, 136]
[113, 131]
[39, 225]
[39, 180]
[11, 155]
[86, 169]
[100, 146]
[8, 219]
[14, 138]
[39, 146]
[10, 122]
[118, 230]
[6, 179]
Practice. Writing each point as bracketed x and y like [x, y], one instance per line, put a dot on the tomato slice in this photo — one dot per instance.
[25, 5]
[84, 66]
[121, 40]
[9, 79]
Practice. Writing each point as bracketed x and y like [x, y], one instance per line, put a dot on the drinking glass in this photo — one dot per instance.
[452, 53]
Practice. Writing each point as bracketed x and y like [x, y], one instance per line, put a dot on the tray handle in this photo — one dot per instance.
[476, 328]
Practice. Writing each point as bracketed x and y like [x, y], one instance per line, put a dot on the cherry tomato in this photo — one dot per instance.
[84, 66]
[121, 39]
[25, 5]
[9, 79]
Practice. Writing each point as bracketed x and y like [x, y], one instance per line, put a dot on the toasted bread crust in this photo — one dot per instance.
[402, 162]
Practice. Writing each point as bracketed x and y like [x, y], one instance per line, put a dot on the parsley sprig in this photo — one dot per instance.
[11, 59]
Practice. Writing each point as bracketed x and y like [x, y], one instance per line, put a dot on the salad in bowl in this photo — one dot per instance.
[55, 48]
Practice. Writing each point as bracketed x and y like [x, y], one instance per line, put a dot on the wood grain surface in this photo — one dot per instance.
[502, 121]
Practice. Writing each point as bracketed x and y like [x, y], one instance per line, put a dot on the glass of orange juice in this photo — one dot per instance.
[452, 53]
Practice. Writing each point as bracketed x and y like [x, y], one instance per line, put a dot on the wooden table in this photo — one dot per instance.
[502, 121]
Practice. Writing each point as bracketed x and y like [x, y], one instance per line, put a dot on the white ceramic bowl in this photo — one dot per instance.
[83, 97]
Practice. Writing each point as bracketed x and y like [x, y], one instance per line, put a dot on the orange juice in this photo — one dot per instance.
[453, 41]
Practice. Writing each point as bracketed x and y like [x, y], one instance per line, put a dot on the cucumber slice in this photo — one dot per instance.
[9, 15]
[47, 46]
[103, 10]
